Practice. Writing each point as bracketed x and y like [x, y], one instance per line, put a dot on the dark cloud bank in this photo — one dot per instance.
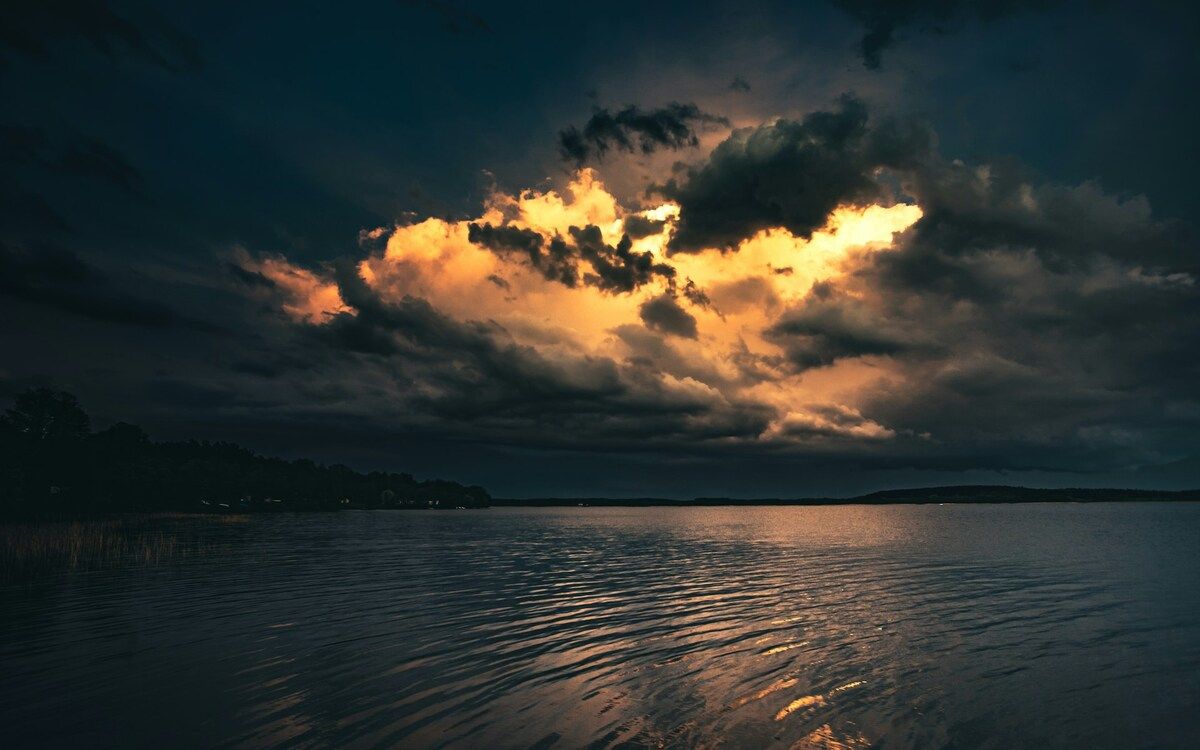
[1037, 324]
[1032, 326]
[790, 174]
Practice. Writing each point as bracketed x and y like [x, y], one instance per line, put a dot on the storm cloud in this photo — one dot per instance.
[790, 174]
[663, 313]
[1006, 315]
[634, 129]
[331, 257]
[557, 262]
[827, 327]
[1018, 317]
[613, 268]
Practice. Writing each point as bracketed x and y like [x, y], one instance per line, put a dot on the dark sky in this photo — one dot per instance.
[301, 226]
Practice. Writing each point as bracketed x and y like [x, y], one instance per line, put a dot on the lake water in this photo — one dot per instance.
[1005, 626]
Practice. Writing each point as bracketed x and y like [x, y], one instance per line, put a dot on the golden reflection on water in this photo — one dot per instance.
[815, 700]
[805, 628]
[825, 738]
[802, 702]
[784, 647]
[757, 696]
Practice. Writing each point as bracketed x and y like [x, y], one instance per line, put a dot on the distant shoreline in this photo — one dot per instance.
[953, 495]
[963, 494]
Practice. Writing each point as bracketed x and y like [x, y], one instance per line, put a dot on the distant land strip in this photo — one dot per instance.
[916, 496]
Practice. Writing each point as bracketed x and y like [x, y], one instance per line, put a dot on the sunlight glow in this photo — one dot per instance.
[742, 291]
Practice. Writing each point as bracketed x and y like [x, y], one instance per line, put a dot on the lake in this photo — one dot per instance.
[956, 626]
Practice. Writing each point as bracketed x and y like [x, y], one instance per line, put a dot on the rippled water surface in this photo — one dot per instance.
[838, 627]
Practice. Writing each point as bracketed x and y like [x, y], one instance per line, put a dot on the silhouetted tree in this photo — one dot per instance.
[46, 430]
[44, 414]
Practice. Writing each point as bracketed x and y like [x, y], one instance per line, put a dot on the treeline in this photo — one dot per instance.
[51, 461]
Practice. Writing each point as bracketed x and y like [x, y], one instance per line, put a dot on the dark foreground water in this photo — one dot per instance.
[1009, 626]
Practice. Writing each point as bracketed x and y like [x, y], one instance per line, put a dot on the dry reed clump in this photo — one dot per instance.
[30, 550]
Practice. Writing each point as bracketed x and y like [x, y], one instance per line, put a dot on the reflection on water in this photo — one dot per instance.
[839, 627]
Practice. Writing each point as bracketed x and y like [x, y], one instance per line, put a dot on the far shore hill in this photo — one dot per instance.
[914, 496]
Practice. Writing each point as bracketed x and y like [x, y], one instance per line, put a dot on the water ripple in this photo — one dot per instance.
[845, 627]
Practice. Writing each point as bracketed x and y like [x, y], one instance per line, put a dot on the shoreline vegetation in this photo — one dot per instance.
[34, 549]
[53, 465]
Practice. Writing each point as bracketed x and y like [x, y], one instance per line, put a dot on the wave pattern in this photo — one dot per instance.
[838, 627]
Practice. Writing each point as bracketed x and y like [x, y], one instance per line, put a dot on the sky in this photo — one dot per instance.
[675, 249]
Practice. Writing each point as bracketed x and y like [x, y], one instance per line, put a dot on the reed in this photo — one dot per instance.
[34, 549]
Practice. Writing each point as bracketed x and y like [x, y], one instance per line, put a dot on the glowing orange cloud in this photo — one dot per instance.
[304, 295]
[737, 296]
